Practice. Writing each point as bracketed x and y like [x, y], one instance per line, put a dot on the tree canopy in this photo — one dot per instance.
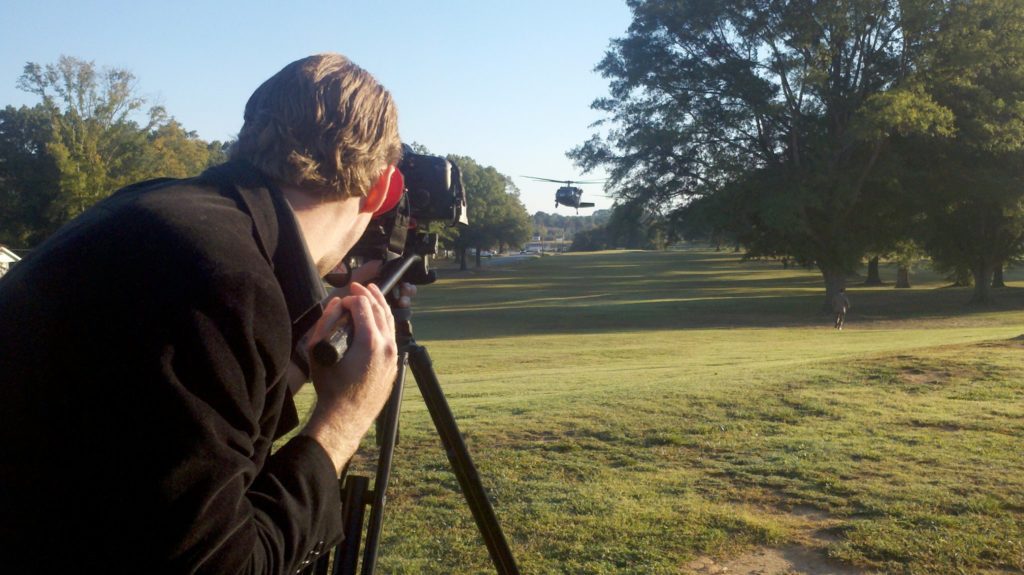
[784, 121]
[89, 135]
[969, 187]
[29, 177]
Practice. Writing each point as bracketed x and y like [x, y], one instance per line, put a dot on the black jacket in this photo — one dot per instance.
[142, 354]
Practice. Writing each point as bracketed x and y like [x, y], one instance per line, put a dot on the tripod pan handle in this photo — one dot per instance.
[329, 351]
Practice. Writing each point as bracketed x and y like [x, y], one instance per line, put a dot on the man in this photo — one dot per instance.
[840, 305]
[146, 350]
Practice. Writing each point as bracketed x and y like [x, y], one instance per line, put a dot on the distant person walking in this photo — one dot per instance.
[840, 305]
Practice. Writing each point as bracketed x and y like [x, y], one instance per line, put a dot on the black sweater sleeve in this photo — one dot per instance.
[225, 506]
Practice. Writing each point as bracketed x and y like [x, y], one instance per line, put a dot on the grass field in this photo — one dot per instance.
[663, 412]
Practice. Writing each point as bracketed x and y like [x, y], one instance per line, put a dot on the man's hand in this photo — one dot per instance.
[295, 377]
[352, 393]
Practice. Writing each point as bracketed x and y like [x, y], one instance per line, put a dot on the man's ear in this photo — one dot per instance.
[378, 193]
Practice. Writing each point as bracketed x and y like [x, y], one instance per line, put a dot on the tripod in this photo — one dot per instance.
[357, 494]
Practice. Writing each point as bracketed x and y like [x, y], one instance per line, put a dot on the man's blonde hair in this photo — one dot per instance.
[321, 123]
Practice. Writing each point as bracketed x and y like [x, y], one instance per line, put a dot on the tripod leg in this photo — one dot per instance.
[462, 463]
[387, 451]
[346, 554]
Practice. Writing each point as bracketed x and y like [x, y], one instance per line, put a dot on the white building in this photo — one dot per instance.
[7, 259]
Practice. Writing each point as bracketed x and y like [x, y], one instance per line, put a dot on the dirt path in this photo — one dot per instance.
[809, 558]
[788, 560]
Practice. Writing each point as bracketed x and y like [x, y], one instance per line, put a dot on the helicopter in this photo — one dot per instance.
[569, 195]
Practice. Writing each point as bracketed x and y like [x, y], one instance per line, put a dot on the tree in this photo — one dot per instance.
[29, 177]
[496, 214]
[94, 143]
[633, 226]
[785, 107]
[175, 152]
[590, 240]
[969, 186]
[905, 253]
[706, 218]
[874, 277]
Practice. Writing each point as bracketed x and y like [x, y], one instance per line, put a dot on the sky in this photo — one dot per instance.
[508, 83]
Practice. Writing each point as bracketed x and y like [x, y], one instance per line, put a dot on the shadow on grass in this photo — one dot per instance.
[635, 291]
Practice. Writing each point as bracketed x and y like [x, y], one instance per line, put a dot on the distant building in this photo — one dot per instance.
[547, 246]
[7, 259]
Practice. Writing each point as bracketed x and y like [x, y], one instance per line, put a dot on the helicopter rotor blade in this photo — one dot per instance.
[566, 182]
[544, 179]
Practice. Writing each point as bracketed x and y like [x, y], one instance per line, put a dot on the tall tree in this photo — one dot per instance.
[785, 106]
[971, 186]
[96, 142]
[99, 137]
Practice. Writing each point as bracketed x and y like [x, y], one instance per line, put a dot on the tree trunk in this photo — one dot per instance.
[462, 259]
[903, 277]
[835, 280]
[874, 278]
[982, 273]
[997, 277]
[478, 257]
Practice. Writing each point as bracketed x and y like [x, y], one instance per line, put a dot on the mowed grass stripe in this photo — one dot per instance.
[715, 354]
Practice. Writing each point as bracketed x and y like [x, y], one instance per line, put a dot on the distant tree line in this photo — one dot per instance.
[91, 133]
[627, 225]
[551, 227]
[823, 133]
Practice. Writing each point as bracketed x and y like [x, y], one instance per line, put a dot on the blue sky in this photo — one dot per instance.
[508, 83]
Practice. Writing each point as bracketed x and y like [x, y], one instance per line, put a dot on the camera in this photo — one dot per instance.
[433, 186]
[432, 192]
